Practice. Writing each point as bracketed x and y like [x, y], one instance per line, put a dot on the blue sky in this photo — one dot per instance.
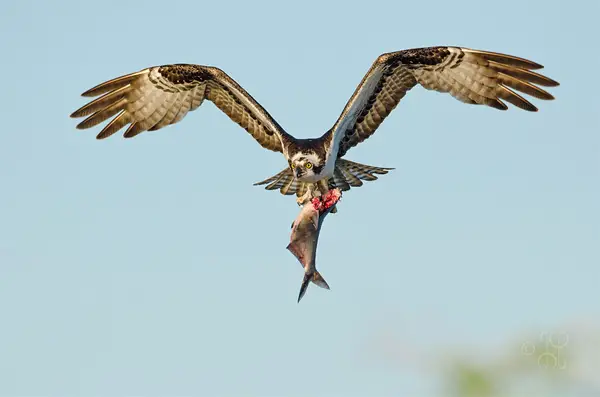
[153, 267]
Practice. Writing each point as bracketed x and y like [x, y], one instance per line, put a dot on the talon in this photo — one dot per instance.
[304, 198]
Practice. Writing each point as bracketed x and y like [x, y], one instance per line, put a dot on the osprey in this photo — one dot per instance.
[158, 96]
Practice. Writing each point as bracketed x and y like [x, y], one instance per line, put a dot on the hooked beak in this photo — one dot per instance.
[298, 172]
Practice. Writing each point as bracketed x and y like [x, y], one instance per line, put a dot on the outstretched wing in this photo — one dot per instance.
[471, 76]
[162, 95]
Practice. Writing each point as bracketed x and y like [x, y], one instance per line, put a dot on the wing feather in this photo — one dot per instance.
[514, 98]
[102, 115]
[113, 84]
[170, 108]
[116, 124]
[156, 97]
[471, 76]
[102, 102]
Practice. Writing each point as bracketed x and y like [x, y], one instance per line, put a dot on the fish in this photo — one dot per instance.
[305, 236]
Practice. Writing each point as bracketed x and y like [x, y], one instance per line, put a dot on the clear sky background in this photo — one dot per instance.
[129, 267]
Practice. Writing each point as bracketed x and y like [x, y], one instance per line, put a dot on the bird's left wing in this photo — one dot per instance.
[471, 76]
[162, 95]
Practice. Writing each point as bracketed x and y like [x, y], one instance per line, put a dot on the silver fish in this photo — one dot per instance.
[305, 236]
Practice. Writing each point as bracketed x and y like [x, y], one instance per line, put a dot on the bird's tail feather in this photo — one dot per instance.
[285, 182]
[347, 174]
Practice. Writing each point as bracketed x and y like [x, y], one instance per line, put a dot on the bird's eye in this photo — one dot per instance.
[293, 165]
[308, 165]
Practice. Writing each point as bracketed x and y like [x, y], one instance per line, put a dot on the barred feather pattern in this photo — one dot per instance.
[347, 174]
[158, 96]
[470, 76]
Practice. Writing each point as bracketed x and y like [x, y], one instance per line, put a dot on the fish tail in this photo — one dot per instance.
[316, 278]
[319, 280]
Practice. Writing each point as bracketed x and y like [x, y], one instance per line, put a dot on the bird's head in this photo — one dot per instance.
[306, 166]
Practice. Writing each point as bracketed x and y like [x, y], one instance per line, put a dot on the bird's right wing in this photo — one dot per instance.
[471, 76]
[162, 95]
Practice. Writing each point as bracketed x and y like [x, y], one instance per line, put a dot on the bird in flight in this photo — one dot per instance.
[158, 96]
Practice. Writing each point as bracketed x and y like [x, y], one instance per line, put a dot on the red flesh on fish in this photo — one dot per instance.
[326, 201]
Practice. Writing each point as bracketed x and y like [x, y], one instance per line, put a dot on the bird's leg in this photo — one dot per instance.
[307, 196]
[323, 187]
[301, 200]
